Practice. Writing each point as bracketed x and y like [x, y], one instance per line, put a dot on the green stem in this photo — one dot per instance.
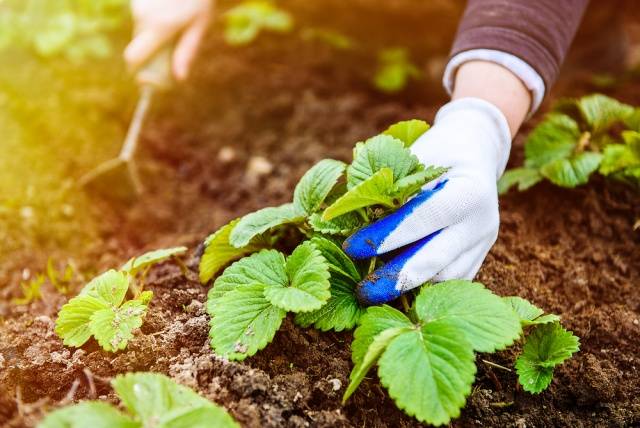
[405, 303]
[363, 214]
[372, 264]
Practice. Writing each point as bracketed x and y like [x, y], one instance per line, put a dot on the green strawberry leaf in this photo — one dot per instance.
[548, 346]
[316, 183]
[94, 414]
[109, 287]
[411, 184]
[197, 417]
[373, 191]
[343, 225]
[266, 268]
[247, 324]
[523, 177]
[337, 260]
[245, 21]
[113, 327]
[528, 313]
[341, 312]
[72, 324]
[598, 111]
[555, 138]
[308, 281]
[488, 322]
[621, 157]
[375, 320]
[429, 372]
[219, 252]
[256, 223]
[136, 264]
[377, 153]
[394, 70]
[374, 351]
[407, 131]
[159, 401]
[573, 171]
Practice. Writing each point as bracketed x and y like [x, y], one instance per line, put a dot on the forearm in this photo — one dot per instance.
[497, 85]
[538, 32]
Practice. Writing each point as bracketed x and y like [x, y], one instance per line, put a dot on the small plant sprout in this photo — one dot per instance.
[577, 139]
[31, 290]
[425, 356]
[101, 309]
[61, 280]
[244, 22]
[546, 347]
[149, 400]
[394, 70]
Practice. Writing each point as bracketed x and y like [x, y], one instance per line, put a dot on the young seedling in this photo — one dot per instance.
[30, 291]
[244, 22]
[101, 309]
[149, 400]
[61, 280]
[394, 70]
[577, 139]
[547, 345]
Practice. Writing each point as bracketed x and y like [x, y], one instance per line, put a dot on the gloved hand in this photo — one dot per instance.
[446, 231]
[159, 22]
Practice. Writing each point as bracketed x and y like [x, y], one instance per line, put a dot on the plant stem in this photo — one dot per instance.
[405, 303]
[363, 214]
[583, 142]
[372, 264]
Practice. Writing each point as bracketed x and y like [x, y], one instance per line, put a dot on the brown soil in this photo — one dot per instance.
[572, 252]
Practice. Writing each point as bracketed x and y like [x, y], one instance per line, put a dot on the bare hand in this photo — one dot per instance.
[159, 22]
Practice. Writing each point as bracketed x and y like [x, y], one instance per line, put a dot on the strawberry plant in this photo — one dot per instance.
[31, 290]
[150, 400]
[101, 309]
[394, 70]
[426, 355]
[578, 138]
[244, 22]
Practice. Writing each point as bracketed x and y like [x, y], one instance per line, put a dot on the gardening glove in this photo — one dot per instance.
[446, 231]
[159, 23]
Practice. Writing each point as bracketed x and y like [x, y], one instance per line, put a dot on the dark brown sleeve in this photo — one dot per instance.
[537, 31]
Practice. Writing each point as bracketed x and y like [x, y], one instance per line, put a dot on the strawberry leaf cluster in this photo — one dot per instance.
[317, 281]
[578, 138]
[101, 309]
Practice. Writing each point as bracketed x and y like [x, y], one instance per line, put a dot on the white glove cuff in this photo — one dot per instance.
[524, 71]
[491, 119]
